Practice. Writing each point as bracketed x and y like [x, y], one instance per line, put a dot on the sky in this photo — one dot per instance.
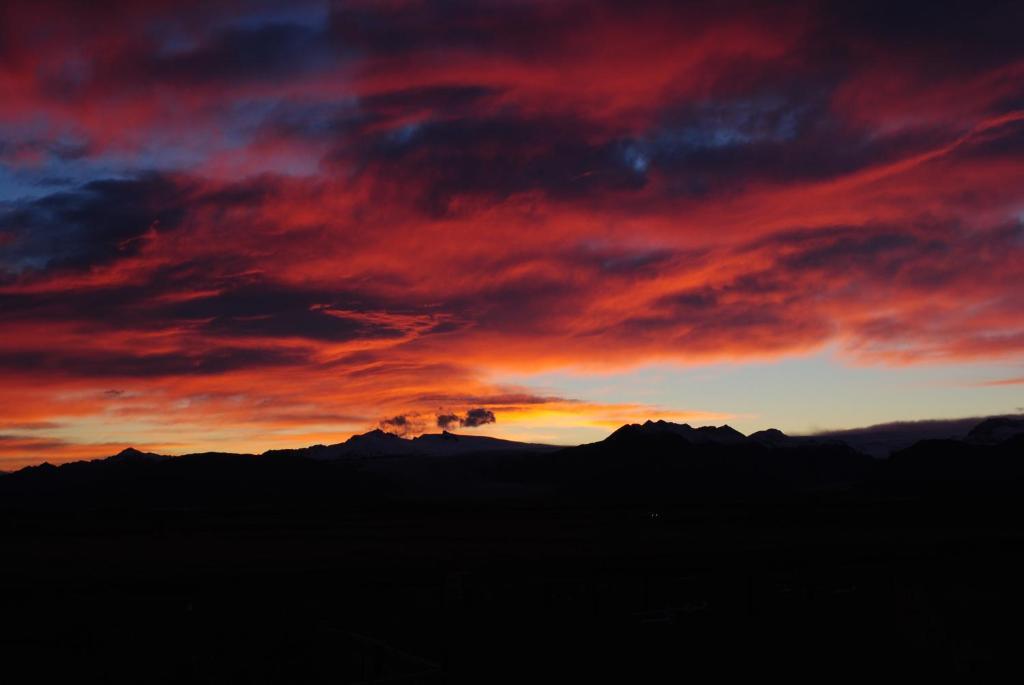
[253, 225]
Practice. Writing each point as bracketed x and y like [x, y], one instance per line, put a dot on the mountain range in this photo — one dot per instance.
[653, 460]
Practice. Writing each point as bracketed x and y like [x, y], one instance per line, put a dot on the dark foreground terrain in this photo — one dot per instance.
[654, 556]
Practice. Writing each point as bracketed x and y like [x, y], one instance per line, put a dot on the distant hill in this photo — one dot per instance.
[884, 439]
[996, 430]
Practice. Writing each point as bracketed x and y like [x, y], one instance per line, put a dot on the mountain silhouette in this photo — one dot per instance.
[656, 459]
[665, 460]
[378, 443]
[130, 454]
[704, 435]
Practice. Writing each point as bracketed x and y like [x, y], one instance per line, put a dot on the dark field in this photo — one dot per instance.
[831, 586]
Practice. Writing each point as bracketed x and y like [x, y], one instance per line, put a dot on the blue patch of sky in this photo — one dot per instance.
[727, 124]
[312, 14]
[53, 166]
[405, 133]
[636, 157]
[174, 38]
[171, 41]
[313, 120]
[17, 186]
[804, 394]
[56, 163]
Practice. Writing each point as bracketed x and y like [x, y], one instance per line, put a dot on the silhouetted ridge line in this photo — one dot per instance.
[378, 443]
[702, 435]
[653, 461]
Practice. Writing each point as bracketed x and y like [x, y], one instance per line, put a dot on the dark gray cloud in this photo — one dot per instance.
[473, 418]
[430, 27]
[266, 51]
[783, 130]
[98, 364]
[95, 223]
[478, 417]
[956, 34]
[228, 307]
[447, 421]
[491, 157]
[396, 421]
[402, 425]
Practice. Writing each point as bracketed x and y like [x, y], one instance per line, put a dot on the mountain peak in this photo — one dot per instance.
[132, 454]
[375, 434]
[771, 437]
[725, 430]
[662, 423]
[723, 435]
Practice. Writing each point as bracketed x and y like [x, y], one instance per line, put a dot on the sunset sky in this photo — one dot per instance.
[251, 225]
